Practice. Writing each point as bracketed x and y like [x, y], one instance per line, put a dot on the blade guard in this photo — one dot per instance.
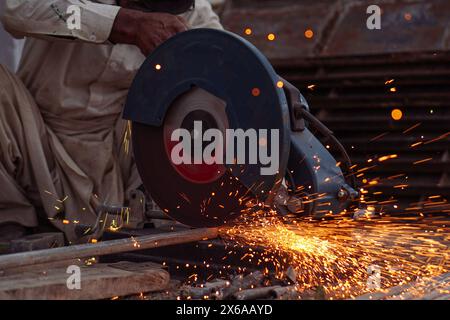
[228, 67]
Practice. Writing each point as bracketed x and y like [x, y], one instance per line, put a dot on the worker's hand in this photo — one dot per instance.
[145, 30]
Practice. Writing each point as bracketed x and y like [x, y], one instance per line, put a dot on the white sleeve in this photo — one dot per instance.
[52, 18]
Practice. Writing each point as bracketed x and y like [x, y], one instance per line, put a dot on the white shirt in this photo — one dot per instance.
[80, 81]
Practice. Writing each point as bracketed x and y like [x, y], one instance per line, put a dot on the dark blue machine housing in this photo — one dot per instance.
[235, 71]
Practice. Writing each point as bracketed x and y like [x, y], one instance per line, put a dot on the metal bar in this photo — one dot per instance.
[257, 293]
[105, 248]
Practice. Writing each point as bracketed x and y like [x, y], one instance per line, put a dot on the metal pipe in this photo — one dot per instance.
[105, 248]
[257, 293]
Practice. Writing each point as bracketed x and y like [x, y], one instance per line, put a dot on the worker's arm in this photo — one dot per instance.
[99, 22]
[48, 18]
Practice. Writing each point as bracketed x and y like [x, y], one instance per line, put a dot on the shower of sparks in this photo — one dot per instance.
[397, 114]
[136, 243]
[379, 136]
[309, 34]
[127, 138]
[412, 128]
[337, 254]
[422, 161]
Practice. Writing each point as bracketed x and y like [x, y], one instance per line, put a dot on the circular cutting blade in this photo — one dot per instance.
[196, 111]
[199, 195]
[222, 81]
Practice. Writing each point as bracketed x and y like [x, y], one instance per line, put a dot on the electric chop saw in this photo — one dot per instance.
[192, 93]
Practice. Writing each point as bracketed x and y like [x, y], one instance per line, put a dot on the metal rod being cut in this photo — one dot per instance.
[105, 247]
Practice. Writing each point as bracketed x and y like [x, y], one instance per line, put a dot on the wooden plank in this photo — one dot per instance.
[99, 281]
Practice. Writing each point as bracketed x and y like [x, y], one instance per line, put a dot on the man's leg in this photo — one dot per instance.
[130, 175]
[23, 150]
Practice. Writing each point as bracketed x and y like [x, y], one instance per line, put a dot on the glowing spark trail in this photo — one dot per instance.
[337, 253]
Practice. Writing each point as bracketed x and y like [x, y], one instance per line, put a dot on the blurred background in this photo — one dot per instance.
[385, 93]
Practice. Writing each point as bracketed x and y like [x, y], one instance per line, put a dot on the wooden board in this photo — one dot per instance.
[99, 281]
